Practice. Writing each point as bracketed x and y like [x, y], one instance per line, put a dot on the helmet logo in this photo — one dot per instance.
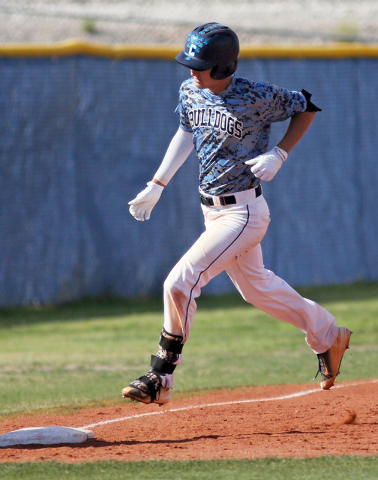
[196, 40]
[194, 45]
[192, 49]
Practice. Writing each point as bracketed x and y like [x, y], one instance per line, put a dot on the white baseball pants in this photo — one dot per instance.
[231, 242]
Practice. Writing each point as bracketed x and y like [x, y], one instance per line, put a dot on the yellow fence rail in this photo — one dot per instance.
[79, 47]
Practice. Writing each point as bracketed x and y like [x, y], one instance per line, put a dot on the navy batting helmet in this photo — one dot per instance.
[211, 46]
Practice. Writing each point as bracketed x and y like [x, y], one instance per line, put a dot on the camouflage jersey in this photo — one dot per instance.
[232, 127]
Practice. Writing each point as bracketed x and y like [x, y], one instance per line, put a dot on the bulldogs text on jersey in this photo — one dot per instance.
[215, 118]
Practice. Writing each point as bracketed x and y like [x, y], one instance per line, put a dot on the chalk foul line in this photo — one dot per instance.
[219, 404]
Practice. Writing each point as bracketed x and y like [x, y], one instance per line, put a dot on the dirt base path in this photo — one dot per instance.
[274, 421]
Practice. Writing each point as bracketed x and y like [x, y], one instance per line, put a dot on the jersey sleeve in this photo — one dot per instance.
[182, 111]
[284, 103]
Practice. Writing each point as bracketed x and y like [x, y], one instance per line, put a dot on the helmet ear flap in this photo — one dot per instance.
[213, 73]
[218, 74]
[232, 67]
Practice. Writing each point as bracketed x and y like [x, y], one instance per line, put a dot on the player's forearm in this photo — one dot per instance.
[297, 128]
[177, 152]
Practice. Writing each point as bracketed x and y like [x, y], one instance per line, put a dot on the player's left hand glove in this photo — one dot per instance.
[142, 205]
[266, 166]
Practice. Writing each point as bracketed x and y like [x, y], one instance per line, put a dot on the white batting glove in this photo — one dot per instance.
[266, 166]
[142, 205]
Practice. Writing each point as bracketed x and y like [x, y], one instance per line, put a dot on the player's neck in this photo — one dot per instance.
[221, 85]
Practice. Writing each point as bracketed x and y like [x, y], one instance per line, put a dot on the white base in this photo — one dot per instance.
[45, 436]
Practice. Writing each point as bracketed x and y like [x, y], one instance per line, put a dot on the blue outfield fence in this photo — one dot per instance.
[80, 136]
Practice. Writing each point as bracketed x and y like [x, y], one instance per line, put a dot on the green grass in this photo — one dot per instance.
[82, 354]
[86, 352]
[339, 468]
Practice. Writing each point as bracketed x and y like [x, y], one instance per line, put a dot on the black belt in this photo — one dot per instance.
[228, 200]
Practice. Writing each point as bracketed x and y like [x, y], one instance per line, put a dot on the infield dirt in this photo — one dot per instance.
[246, 423]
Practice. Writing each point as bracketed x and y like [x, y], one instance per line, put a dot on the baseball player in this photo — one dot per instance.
[227, 120]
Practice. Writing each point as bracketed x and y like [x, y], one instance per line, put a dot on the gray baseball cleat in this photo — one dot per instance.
[147, 389]
[330, 361]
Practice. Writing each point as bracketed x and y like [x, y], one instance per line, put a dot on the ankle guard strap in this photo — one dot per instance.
[152, 390]
[173, 345]
[161, 366]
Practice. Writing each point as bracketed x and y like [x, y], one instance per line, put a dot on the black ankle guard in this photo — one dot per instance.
[173, 346]
[161, 366]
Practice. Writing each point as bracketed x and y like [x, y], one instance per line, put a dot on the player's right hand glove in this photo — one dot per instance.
[142, 205]
[266, 166]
